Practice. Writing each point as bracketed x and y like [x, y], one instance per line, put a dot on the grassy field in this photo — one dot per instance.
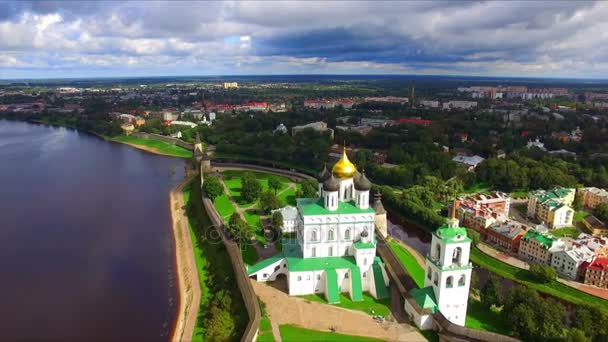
[369, 305]
[265, 333]
[477, 187]
[212, 262]
[224, 206]
[570, 231]
[518, 194]
[481, 319]
[409, 262]
[156, 145]
[525, 277]
[292, 333]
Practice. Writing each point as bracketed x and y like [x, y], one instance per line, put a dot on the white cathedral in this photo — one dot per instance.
[334, 250]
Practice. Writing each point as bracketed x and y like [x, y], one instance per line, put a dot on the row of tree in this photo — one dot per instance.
[535, 318]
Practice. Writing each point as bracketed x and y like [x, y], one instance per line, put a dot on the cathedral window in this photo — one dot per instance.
[429, 273]
[347, 234]
[364, 274]
[330, 235]
[449, 282]
[299, 278]
[331, 251]
[313, 235]
[436, 279]
[461, 280]
[314, 252]
[364, 261]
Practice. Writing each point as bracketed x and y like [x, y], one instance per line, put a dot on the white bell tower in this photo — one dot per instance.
[448, 270]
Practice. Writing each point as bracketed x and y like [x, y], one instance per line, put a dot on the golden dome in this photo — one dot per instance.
[344, 168]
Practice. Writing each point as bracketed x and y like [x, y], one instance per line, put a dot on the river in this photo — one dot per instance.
[87, 248]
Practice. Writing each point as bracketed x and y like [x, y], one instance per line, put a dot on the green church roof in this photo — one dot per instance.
[425, 297]
[315, 206]
[450, 235]
[318, 264]
[364, 245]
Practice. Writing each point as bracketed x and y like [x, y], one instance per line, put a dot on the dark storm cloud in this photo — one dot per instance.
[487, 36]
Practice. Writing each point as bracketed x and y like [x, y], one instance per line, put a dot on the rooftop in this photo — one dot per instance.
[312, 264]
[314, 206]
[449, 234]
[542, 239]
[425, 297]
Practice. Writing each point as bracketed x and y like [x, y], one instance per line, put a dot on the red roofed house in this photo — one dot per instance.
[595, 272]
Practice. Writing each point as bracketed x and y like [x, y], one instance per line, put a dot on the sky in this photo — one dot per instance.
[47, 39]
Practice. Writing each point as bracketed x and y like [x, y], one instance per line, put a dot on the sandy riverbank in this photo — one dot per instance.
[188, 284]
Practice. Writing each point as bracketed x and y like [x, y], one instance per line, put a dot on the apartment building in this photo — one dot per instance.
[536, 247]
[594, 196]
[595, 272]
[552, 207]
[479, 211]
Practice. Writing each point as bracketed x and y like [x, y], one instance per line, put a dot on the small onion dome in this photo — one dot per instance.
[324, 174]
[364, 234]
[362, 183]
[331, 184]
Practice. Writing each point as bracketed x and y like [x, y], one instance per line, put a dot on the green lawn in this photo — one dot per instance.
[158, 145]
[409, 262]
[518, 194]
[265, 333]
[477, 187]
[288, 196]
[369, 304]
[570, 231]
[224, 206]
[579, 216]
[525, 277]
[481, 319]
[292, 333]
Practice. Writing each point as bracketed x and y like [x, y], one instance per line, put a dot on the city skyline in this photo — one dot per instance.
[142, 39]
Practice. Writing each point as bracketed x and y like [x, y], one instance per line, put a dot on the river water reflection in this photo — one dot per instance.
[86, 244]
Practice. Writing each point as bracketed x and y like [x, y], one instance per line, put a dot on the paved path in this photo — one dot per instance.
[189, 287]
[284, 309]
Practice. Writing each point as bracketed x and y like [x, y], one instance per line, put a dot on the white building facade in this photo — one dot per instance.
[334, 250]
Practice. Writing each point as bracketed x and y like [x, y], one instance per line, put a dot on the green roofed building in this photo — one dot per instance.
[552, 207]
[335, 247]
[536, 247]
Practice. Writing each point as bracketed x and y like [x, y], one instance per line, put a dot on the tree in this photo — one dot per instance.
[601, 212]
[578, 202]
[251, 188]
[576, 335]
[474, 235]
[239, 229]
[212, 186]
[543, 273]
[274, 183]
[270, 201]
[309, 188]
[492, 293]
[277, 221]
